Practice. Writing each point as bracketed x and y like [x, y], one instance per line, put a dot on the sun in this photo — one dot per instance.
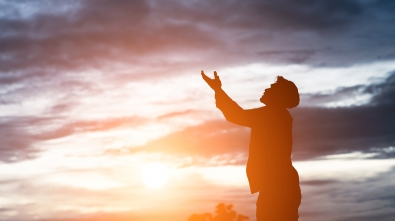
[155, 174]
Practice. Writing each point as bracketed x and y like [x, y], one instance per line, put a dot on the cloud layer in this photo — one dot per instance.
[99, 34]
[69, 50]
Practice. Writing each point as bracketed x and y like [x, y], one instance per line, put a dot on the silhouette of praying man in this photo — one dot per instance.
[269, 167]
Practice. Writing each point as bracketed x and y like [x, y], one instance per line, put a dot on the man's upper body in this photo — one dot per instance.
[270, 140]
[269, 162]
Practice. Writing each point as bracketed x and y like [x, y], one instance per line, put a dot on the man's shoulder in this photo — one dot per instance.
[272, 112]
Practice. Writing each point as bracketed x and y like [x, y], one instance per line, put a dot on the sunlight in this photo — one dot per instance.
[155, 175]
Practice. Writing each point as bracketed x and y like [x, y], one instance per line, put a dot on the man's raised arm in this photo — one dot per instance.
[231, 110]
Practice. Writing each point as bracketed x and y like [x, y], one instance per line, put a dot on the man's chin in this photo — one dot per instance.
[262, 100]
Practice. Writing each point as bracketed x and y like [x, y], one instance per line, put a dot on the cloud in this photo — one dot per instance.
[176, 114]
[209, 139]
[98, 33]
[16, 144]
[371, 199]
[89, 126]
[80, 46]
[320, 131]
[317, 131]
[47, 49]
[19, 135]
[317, 182]
[339, 96]
[178, 36]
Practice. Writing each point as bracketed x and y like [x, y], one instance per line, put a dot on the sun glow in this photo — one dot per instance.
[155, 175]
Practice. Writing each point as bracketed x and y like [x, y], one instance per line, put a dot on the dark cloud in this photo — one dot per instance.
[99, 33]
[103, 34]
[317, 182]
[384, 93]
[320, 131]
[341, 94]
[369, 199]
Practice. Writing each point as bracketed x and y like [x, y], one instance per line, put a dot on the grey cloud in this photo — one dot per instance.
[324, 131]
[320, 131]
[322, 98]
[295, 56]
[98, 34]
[320, 33]
[384, 93]
[100, 31]
[370, 199]
[317, 182]
[382, 153]
[16, 144]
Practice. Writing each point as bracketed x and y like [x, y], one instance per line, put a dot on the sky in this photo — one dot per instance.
[93, 91]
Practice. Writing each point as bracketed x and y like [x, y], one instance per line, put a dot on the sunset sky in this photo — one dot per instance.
[92, 92]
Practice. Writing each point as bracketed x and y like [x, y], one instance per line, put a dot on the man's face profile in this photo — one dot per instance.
[282, 93]
[271, 95]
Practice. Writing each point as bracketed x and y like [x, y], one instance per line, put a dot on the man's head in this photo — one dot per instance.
[283, 93]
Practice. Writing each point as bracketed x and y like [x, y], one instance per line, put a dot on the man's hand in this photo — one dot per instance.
[215, 83]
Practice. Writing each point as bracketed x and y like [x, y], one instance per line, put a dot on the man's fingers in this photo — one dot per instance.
[213, 83]
[207, 79]
[216, 75]
[203, 74]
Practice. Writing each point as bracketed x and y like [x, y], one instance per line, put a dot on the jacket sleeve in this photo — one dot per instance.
[232, 111]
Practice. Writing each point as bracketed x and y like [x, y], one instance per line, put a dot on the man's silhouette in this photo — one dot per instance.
[269, 167]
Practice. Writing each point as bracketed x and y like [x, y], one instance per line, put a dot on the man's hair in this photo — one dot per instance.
[289, 92]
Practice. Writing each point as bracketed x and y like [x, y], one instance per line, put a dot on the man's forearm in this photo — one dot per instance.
[225, 103]
[230, 109]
